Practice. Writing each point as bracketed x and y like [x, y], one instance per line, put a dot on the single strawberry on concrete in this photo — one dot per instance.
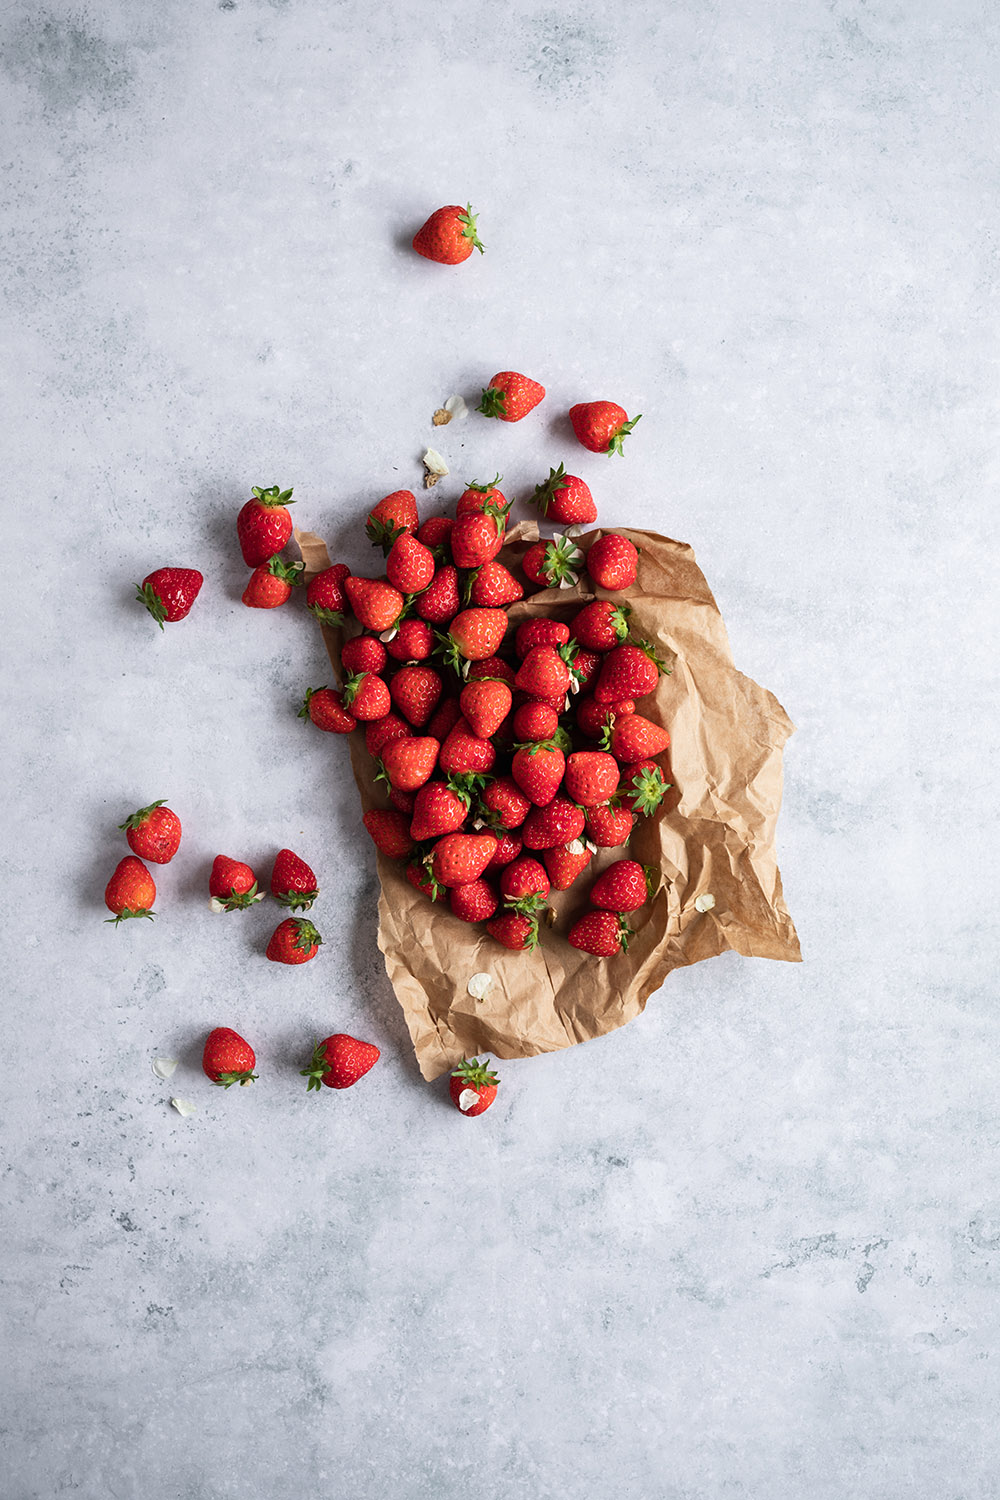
[409, 763]
[613, 562]
[565, 499]
[293, 883]
[601, 625]
[228, 1058]
[473, 1086]
[415, 692]
[392, 516]
[232, 885]
[271, 584]
[624, 886]
[449, 236]
[642, 787]
[460, 857]
[628, 671]
[591, 777]
[510, 396]
[440, 601]
[366, 695]
[264, 525]
[390, 831]
[294, 941]
[363, 653]
[609, 826]
[538, 769]
[376, 605]
[410, 565]
[514, 930]
[565, 862]
[475, 902]
[413, 641]
[325, 594]
[339, 1061]
[485, 704]
[601, 426]
[131, 891]
[154, 832]
[602, 933]
[168, 593]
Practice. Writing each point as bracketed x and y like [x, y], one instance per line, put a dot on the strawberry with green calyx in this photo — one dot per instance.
[565, 499]
[168, 593]
[632, 738]
[264, 525]
[415, 691]
[363, 653]
[473, 1086]
[408, 764]
[474, 902]
[325, 594]
[339, 1061]
[390, 831]
[601, 625]
[613, 562]
[478, 535]
[585, 666]
[154, 832]
[485, 703]
[228, 1058]
[442, 807]
[491, 666]
[293, 883]
[474, 634]
[591, 777]
[510, 396]
[131, 891]
[502, 803]
[564, 863]
[538, 768]
[524, 885]
[594, 719]
[422, 879]
[629, 671]
[449, 236]
[392, 516]
[439, 603]
[544, 674]
[458, 858]
[271, 584]
[491, 586]
[642, 787]
[624, 886]
[232, 885]
[608, 826]
[366, 695]
[464, 753]
[514, 930]
[376, 605]
[558, 822]
[553, 564]
[601, 426]
[478, 497]
[412, 642]
[602, 933]
[294, 941]
[409, 566]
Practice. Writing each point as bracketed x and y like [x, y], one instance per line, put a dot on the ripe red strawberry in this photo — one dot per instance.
[339, 1061]
[168, 593]
[413, 641]
[474, 634]
[382, 731]
[444, 718]
[415, 691]
[449, 235]
[558, 562]
[294, 941]
[524, 881]
[480, 497]
[629, 671]
[591, 777]
[544, 674]
[402, 801]
[460, 857]
[376, 604]
[642, 786]
[367, 697]
[510, 396]
[603, 933]
[585, 666]
[565, 499]
[491, 666]
[472, 1086]
[514, 930]
[475, 902]
[607, 826]
[409, 763]
[540, 631]
[508, 847]
[492, 586]
[131, 891]
[613, 562]
[560, 822]
[477, 536]
[363, 653]
[293, 883]
[504, 804]
[538, 770]
[325, 594]
[271, 584]
[601, 426]
[263, 526]
[593, 718]
[601, 625]
[623, 886]
[232, 885]
[390, 831]
[422, 880]
[485, 704]
[435, 531]
[566, 863]
[534, 721]
[154, 832]
[464, 753]
[634, 738]
[392, 516]
[440, 807]
[409, 565]
[228, 1058]
[440, 602]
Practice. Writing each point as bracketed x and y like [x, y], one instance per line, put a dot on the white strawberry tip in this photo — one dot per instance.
[478, 985]
[184, 1107]
[705, 902]
[163, 1066]
[467, 1099]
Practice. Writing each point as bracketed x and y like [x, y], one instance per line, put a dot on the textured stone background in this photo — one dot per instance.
[749, 1245]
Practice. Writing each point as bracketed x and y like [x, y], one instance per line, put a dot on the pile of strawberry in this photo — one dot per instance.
[507, 757]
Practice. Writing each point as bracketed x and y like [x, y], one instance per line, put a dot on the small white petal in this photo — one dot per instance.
[456, 405]
[576, 847]
[216, 904]
[588, 845]
[478, 823]
[705, 902]
[434, 463]
[184, 1107]
[478, 985]
[389, 635]
[575, 530]
[164, 1066]
[569, 580]
[468, 1099]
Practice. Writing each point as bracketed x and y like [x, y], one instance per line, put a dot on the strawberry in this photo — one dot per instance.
[565, 864]
[607, 826]
[593, 718]
[613, 562]
[544, 674]
[131, 891]
[263, 526]
[633, 738]
[392, 516]
[524, 881]
[422, 880]
[440, 807]
[485, 704]
[535, 721]
[565, 499]
[601, 426]
[601, 625]
[465, 753]
[474, 634]
[409, 763]
[364, 653]
[538, 770]
[472, 1086]
[444, 718]
[376, 604]
[560, 822]
[591, 777]
[367, 697]
[491, 586]
[603, 933]
[540, 632]
[415, 691]
[435, 531]
[624, 886]
[232, 885]
[508, 847]
[168, 593]
[628, 672]
[271, 584]
[293, 941]
[510, 396]
[413, 641]
[491, 666]
[504, 804]
[449, 235]
[228, 1058]
[381, 732]
[460, 857]
[514, 930]
[482, 497]
[293, 883]
[402, 801]
[558, 562]
[154, 833]
[410, 565]
[339, 1061]
[390, 831]
[584, 667]
[477, 536]
[325, 594]
[439, 603]
[642, 786]
[475, 902]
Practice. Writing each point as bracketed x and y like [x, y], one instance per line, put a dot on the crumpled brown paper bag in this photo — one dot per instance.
[714, 835]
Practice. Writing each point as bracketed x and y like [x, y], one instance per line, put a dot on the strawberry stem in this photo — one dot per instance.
[468, 221]
[136, 819]
[618, 438]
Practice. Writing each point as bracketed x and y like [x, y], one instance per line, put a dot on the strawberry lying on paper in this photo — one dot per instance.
[449, 236]
[564, 498]
[339, 1061]
[228, 1058]
[601, 426]
[153, 833]
[168, 593]
[473, 1086]
[131, 891]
